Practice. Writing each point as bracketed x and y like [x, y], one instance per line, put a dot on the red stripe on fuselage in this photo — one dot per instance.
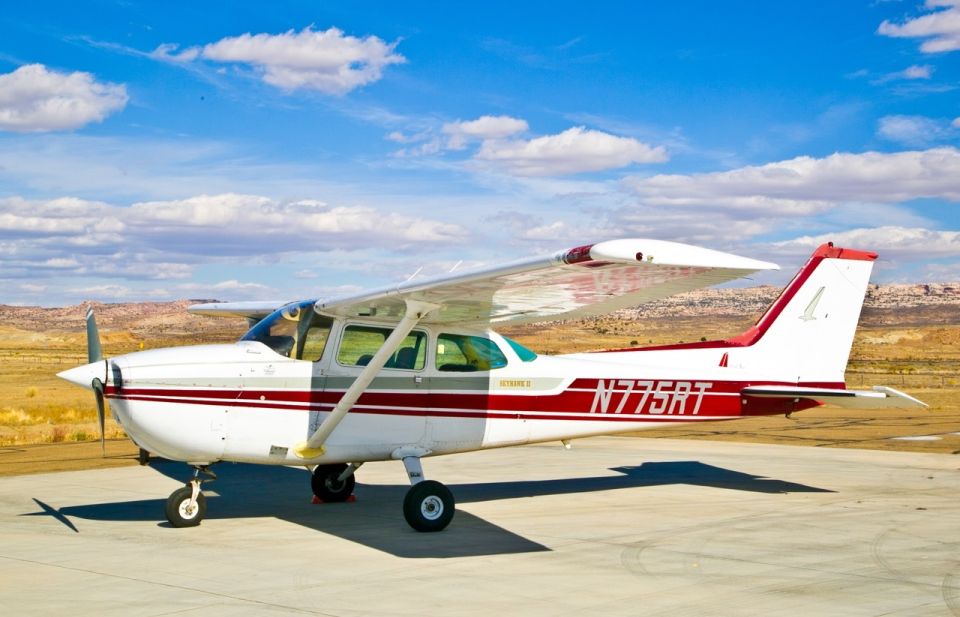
[622, 398]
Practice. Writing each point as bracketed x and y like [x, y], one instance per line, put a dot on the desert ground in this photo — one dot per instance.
[909, 338]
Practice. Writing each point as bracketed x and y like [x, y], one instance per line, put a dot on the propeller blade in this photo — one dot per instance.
[97, 386]
[94, 350]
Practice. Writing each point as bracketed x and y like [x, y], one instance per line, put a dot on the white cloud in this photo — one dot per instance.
[283, 226]
[940, 29]
[327, 61]
[426, 148]
[912, 72]
[168, 53]
[575, 150]
[484, 127]
[72, 245]
[807, 185]
[889, 241]
[911, 130]
[942, 272]
[66, 216]
[918, 72]
[36, 99]
[956, 123]
[138, 241]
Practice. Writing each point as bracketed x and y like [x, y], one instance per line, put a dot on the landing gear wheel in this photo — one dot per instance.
[328, 487]
[428, 506]
[178, 509]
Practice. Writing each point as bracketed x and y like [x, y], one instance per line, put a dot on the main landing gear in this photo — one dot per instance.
[187, 506]
[428, 505]
[334, 483]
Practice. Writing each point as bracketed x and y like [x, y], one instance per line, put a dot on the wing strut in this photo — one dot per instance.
[416, 310]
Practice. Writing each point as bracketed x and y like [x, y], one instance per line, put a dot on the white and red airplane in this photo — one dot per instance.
[413, 370]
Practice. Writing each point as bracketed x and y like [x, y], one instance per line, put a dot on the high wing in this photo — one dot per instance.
[582, 281]
[252, 311]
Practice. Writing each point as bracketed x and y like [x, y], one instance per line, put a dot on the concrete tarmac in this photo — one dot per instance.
[615, 526]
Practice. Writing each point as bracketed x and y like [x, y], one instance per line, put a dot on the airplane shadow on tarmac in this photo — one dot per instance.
[376, 520]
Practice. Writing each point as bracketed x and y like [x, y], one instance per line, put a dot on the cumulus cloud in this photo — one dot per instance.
[327, 61]
[912, 130]
[36, 99]
[940, 28]
[890, 241]
[138, 241]
[283, 226]
[485, 127]
[66, 216]
[807, 185]
[575, 150]
[69, 239]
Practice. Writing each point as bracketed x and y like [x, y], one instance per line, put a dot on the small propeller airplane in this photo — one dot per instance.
[414, 370]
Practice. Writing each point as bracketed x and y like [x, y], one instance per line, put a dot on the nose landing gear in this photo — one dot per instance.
[187, 506]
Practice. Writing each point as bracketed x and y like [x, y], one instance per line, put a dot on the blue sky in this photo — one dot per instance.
[244, 150]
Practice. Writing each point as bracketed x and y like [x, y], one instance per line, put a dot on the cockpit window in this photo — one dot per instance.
[465, 354]
[293, 331]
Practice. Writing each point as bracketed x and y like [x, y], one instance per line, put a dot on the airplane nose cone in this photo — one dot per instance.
[84, 375]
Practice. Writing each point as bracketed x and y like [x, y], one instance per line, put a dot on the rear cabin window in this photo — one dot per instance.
[522, 352]
[465, 354]
[360, 343]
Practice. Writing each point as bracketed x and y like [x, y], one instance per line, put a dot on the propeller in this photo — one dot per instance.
[101, 413]
[95, 354]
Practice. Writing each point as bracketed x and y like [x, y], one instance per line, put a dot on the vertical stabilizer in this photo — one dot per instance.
[806, 334]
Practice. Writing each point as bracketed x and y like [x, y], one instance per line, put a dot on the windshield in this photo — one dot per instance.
[293, 331]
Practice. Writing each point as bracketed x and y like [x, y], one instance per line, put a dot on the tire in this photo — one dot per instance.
[176, 509]
[326, 486]
[428, 506]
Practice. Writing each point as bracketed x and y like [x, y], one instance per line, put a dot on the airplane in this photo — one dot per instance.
[413, 370]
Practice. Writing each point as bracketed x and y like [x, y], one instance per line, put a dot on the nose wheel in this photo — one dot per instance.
[187, 506]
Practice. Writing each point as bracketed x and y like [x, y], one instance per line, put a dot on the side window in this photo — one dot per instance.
[360, 343]
[524, 354]
[462, 353]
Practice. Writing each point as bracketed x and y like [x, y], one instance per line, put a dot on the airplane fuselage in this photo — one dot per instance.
[245, 402]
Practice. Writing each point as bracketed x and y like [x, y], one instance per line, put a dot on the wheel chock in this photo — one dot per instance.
[317, 501]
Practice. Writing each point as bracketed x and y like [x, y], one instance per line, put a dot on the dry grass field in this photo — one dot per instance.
[917, 351]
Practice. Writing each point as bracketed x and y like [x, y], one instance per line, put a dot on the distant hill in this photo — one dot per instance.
[931, 303]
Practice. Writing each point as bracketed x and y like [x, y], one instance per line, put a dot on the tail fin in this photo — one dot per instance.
[806, 334]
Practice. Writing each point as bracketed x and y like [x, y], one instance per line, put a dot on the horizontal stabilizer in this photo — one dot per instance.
[880, 397]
